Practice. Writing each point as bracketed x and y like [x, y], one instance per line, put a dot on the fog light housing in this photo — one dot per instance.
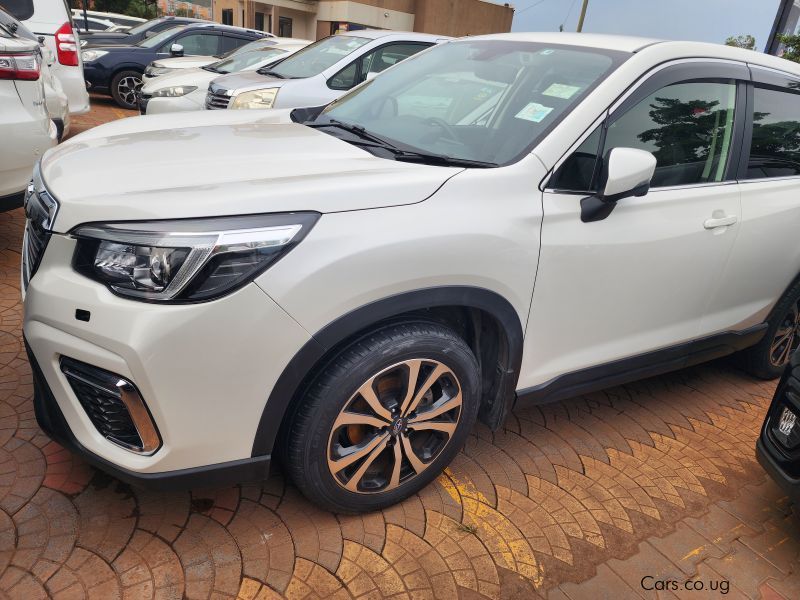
[786, 430]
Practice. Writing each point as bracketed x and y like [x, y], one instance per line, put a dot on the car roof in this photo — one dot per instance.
[380, 33]
[621, 43]
[220, 27]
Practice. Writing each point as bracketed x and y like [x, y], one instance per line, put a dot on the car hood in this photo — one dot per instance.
[197, 77]
[246, 81]
[184, 62]
[151, 168]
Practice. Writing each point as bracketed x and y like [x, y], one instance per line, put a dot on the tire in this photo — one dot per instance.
[124, 86]
[768, 358]
[324, 438]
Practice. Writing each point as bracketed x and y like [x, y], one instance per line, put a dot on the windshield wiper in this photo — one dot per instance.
[210, 68]
[400, 154]
[263, 71]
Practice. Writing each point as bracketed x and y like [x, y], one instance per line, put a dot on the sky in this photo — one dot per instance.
[703, 20]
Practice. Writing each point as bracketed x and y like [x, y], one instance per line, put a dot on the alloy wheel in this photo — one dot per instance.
[394, 426]
[127, 88]
[787, 338]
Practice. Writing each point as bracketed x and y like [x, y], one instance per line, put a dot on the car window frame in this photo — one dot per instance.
[774, 79]
[674, 72]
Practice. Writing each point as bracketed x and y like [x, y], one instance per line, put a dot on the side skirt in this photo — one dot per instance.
[641, 366]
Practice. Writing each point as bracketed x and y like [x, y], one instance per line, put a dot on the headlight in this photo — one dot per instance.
[187, 260]
[90, 55]
[174, 92]
[156, 71]
[256, 99]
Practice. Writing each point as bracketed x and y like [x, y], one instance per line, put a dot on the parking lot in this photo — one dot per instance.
[647, 490]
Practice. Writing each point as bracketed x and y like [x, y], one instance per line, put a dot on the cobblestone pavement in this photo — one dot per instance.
[599, 496]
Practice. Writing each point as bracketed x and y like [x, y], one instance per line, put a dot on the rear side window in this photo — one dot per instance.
[21, 9]
[775, 146]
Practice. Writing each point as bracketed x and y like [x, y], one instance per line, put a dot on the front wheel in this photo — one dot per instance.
[124, 87]
[383, 419]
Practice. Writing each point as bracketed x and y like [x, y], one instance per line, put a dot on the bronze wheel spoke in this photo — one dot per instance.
[416, 463]
[348, 418]
[411, 384]
[353, 482]
[358, 453]
[367, 392]
[443, 426]
[437, 372]
[437, 409]
[398, 463]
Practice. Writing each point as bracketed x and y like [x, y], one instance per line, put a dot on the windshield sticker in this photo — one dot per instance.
[561, 90]
[546, 52]
[534, 112]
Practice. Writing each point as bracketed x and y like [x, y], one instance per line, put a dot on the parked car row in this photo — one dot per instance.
[361, 275]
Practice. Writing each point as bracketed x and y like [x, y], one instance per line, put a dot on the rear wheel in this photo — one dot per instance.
[124, 87]
[770, 356]
[384, 417]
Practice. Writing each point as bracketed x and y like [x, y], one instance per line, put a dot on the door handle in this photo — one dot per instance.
[720, 222]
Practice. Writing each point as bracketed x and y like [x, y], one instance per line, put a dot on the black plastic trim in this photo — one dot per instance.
[641, 366]
[361, 318]
[787, 483]
[53, 423]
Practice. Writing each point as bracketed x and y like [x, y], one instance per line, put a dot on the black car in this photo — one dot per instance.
[134, 35]
[778, 447]
[117, 70]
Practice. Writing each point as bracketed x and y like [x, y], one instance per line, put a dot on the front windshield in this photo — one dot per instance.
[255, 45]
[159, 38]
[478, 100]
[141, 27]
[314, 59]
[242, 60]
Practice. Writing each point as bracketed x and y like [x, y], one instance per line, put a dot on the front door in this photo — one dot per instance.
[640, 280]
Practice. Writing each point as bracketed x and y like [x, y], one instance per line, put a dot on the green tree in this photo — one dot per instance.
[748, 42]
[791, 44]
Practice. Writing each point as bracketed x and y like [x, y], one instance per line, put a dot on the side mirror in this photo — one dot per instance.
[176, 50]
[627, 172]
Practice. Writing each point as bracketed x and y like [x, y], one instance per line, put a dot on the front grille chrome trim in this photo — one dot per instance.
[217, 100]
[125, 392]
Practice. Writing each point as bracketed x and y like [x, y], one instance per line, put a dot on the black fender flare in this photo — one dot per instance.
[342, 328]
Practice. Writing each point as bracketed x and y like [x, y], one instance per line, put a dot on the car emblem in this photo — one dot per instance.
[787, 421]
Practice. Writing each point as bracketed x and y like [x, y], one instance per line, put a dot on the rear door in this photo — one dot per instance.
[611, 292]
[767, 254]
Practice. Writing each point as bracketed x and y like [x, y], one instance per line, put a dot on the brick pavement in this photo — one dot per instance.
[589, 498]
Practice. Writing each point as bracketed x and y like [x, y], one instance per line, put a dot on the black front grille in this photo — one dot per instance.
[99, 395]
[33, 247]
[216, 100]
[143, 99]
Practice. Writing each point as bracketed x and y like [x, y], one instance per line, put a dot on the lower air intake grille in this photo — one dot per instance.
[114, 406]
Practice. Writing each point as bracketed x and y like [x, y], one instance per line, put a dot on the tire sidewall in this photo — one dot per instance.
[458, 358]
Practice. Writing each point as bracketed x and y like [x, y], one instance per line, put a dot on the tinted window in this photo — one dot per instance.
[576, 174]
[20, 9]
[228, 43]
[687, 127]
[154, 41]
[775, 149]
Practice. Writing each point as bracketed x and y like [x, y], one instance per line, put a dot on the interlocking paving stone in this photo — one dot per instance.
[578, 499]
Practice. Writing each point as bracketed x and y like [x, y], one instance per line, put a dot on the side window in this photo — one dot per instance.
[346, 78]
[576, 174]
[199, 44]
[228, 43]
[387, 56]
[688, 128]
[775, 147]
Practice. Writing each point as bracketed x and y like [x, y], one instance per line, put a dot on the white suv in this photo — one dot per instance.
[503, 219]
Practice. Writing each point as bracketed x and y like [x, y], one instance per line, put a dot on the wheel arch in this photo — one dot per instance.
[486, 319]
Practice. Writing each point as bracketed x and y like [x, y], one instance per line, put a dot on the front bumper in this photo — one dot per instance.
[204, 370]
[787, 483]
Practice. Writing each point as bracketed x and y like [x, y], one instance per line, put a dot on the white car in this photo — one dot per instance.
[320, 73]
[119, 21]
[185, 89]
[88, 23]
[52, 20]
[26, 130]
[500, 220]
[166, 66]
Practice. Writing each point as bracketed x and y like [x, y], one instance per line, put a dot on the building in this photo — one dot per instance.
[786, 21]
[315, 19]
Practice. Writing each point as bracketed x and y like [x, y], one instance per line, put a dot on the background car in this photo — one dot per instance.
[169, 65]
[26, 129]
[319, 73]
[120, 21]
[778, 447]
[52, 20]
[135, 34]
[185, 89]
[55, 98]
[117, 70]
[87, 24]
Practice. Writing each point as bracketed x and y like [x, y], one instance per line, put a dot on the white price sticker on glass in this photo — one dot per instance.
[534, 112]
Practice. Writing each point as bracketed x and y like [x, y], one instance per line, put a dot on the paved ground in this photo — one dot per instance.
[599, 496]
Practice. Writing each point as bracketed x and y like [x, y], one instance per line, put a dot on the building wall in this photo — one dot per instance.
[462, 17]
[375, 14]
